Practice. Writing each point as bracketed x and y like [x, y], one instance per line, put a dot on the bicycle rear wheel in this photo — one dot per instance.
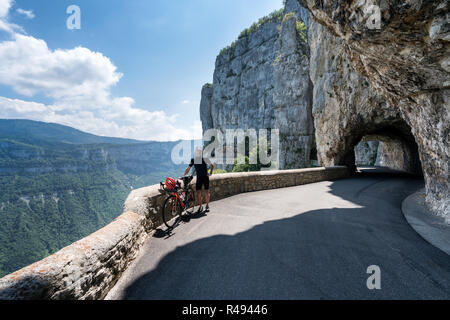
[171, 213]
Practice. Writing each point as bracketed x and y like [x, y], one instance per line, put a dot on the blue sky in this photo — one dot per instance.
[135, 69]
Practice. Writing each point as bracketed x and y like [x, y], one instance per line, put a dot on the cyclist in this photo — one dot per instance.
[201, 168]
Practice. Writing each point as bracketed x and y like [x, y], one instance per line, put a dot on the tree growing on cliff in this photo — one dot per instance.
[242, 162]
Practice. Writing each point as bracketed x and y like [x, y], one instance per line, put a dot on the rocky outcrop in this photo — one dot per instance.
[205, 107]
[300, 12]
[406, 58]
[262, 81]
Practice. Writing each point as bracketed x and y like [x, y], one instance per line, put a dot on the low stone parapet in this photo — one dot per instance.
[84, 270]
[89, 268]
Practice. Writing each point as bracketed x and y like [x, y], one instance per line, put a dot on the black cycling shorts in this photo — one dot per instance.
[202, 181]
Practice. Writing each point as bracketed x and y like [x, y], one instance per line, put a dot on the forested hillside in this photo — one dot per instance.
[58, 184]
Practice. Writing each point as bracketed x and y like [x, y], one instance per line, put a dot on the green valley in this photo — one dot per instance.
[58, 185]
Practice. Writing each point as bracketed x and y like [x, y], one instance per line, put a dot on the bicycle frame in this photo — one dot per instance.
[182, 193]
[176, 194]
[177, 197]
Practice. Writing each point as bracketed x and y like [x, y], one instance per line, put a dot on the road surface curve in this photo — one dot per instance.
[308, 242]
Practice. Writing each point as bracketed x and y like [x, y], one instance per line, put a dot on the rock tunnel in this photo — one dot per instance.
[388, 150]
[393, 147]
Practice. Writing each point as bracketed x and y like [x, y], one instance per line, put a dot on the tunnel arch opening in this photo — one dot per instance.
[391, 146]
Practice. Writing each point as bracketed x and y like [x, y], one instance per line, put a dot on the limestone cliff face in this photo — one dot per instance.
[205, 107]
[262, 81]
[346, 106]
[292, 98]
[407, 59]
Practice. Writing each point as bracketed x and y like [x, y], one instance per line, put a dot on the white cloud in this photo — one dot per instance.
[5, 25]
[79, 82]
[27, 13]
[29, 67]
[13, 108]
[5, 5]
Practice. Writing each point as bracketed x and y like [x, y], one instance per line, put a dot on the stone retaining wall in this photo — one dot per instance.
[89, 268]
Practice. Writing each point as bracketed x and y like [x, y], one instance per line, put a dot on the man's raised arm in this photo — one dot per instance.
[189, 167]
[211, 165]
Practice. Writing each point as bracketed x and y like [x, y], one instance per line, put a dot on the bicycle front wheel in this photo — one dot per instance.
[171, 213]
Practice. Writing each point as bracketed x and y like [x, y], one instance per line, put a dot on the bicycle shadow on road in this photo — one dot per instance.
[169, 232]
[160, 233]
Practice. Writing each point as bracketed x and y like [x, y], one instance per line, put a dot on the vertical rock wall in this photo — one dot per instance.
[292, 97]
[205, 107]
[262, 81]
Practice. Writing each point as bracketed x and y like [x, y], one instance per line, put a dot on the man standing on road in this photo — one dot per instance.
[201, 168]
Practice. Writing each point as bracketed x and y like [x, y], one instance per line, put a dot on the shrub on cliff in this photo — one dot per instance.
[275, 16]
[302, 31]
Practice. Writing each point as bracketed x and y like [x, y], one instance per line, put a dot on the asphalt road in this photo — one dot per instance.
[307, 242]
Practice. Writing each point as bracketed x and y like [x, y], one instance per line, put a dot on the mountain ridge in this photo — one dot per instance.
[48, 132]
